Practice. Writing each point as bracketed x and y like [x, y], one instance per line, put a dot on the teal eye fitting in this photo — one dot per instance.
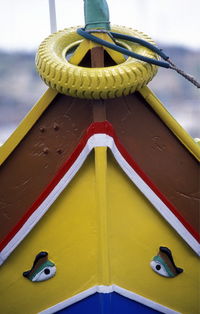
[42, 268]
[163, 263]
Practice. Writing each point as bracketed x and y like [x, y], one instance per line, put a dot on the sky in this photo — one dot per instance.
[25, 23]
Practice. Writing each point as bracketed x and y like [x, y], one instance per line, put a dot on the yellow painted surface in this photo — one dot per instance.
[101, 198]
[174, 126]
[87, 45]
[69, 233]
[89, 83]
[26, 124]
[136, 231]
[100, 231]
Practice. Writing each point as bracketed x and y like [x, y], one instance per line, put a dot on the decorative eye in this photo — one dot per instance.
[158, 267]
[42, 269]
[163, 263]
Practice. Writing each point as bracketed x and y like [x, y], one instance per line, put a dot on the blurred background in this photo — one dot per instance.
[174, 25]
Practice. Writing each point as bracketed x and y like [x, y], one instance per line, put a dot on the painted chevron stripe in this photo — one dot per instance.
[159, 308]
[98, 134]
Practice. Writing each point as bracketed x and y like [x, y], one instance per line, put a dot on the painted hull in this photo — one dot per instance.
[100, 303]
[93, 244]
[99, 226]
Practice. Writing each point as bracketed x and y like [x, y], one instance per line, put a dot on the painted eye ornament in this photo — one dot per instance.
[163, 263]
[42, 268]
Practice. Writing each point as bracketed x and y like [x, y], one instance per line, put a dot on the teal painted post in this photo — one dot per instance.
[96, 14]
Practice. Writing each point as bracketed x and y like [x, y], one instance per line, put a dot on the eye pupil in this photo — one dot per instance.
[158, 267]
[47, 271]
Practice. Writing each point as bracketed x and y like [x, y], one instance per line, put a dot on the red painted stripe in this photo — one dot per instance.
[95, 128]
[154, 188]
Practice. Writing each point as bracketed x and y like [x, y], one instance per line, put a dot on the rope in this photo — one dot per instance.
[165, 64]
[125, 51]
[185, 75]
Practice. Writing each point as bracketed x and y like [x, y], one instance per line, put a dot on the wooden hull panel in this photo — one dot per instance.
[99, 232]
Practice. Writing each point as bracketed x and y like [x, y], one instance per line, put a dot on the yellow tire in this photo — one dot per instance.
[93, 83]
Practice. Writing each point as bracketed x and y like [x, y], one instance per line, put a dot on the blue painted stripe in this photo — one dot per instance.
[107, 303]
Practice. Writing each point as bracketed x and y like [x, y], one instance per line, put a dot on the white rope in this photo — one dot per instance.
[52, 13]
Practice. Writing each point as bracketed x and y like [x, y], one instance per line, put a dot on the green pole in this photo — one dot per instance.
[96, 14]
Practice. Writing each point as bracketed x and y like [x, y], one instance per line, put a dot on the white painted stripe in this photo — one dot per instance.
[156, 201]
[52, 13]
[76, 298]
[140, 299]
[42, 209]
[104, 289]
[99, 140]
[109, 289]
[1, 260]
[147, 191]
